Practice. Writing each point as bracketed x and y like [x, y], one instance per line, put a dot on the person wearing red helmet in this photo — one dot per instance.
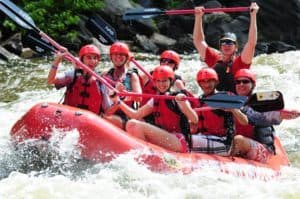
[215, 129]
[255, 140]
[171, 116]
[226, 62]
[123, 78]
[83, 91]
[172, 59]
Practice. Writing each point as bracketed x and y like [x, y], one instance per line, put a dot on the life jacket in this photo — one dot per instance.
[226, 78]
[216, 122]
[244, 130]
[168, 116]
[148, 88]
[265, 135]
[84, 92]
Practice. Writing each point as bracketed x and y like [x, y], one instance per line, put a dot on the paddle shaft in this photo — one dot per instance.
[152, 12]
[170, 97]
[207, 10]
[142, 69]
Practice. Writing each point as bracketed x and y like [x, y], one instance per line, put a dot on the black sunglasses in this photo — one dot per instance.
[244, 81]
[227, 42]
[168, 61]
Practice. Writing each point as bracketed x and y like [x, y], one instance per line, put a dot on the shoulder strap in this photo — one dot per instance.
[77, 72]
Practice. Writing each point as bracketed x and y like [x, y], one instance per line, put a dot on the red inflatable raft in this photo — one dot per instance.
[100, 141]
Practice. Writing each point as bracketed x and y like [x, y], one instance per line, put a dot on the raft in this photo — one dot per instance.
[100, 141]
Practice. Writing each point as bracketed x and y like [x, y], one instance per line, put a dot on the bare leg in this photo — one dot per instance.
[153, 134]
[240, 145]
[115, 120]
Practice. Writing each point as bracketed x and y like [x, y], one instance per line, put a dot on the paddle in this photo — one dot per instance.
[103, 31]
[261, 102]
[24, 20]
[38, 44]
[146, 13]
[266, 101]
[219, 100]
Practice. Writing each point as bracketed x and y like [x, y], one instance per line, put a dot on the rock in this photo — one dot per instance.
[185, 45]
[27, 53]
[162, 40]
[147, 44]
[13, 44]
[6, 55]
[280, 47]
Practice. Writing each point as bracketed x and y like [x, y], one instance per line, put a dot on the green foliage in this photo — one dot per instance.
[174, 3]
[59, 17]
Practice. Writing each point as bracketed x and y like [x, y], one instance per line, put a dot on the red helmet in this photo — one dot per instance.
[245, 73]
[162, 72]
[89, 49]
[170, 54]
[207, 73]
[119, 47]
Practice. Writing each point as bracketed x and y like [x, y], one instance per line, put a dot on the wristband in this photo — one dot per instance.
[54, 67]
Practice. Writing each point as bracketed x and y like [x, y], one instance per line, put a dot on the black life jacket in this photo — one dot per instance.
[265, 135]
[226, 78]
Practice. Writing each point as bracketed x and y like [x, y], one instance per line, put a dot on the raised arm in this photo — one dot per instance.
[198, 34]
[53, 69]
[249, 48]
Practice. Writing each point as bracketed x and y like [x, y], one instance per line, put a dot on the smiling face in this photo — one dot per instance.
[243, 86]
[227, 47]
[168, 62]
[162, 85]
[91, 60]
[208, 86]
[118, 59]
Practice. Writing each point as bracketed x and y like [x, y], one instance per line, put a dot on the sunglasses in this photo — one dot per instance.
[167, 61]
[244, 81]
[227, 42]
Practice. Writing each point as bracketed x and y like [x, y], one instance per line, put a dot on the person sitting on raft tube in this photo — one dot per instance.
[170, 128]
[255, 141]
[215, 129]
[226, 62]
[123, 79]
[83, 90]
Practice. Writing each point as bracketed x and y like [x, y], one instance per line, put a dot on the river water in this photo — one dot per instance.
[23, 84]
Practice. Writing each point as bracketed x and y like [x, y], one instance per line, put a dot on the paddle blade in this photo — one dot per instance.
[101, 30]
[140, 13]
[17, 14]
[223, 100]
[266, 101]
[38, 44]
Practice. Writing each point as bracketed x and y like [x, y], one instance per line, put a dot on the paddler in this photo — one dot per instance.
[83, 90]
[171, 117]
[226, 62]
[255, 141]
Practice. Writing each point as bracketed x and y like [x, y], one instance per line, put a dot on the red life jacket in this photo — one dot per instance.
[148, 88]
[84, 93]
[211, 123]
[245, 130]
[166, 118]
